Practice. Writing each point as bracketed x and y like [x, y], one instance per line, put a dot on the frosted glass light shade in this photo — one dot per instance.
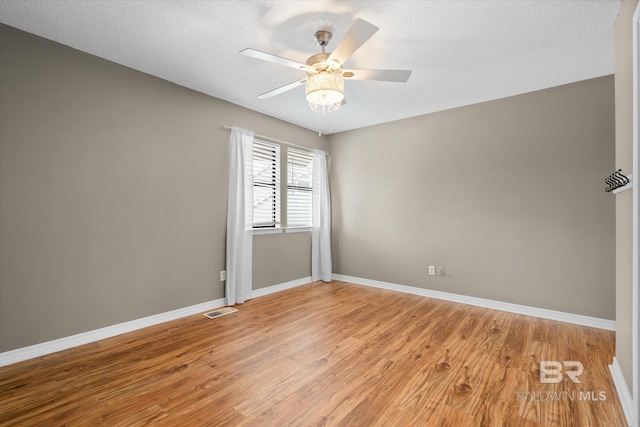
[325, 91]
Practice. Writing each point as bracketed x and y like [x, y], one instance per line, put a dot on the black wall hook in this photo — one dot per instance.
[615, 180]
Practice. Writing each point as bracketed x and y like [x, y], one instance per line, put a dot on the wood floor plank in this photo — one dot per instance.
[323, 355]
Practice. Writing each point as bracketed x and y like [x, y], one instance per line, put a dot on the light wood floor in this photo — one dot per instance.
[320, 355]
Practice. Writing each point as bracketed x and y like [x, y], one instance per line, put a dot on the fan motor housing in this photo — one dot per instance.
[320, 62]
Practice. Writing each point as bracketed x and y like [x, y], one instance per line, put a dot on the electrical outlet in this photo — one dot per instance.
[432, 270]
[223, 275]
[441, 271]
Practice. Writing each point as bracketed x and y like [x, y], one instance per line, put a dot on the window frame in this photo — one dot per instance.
[274, 226]
[292, 186]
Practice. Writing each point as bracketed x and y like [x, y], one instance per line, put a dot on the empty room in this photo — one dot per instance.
[319, 213]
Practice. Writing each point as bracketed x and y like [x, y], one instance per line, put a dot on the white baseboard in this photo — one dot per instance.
[577, 319]
[37, 350]
[623, 391]
[281, 287]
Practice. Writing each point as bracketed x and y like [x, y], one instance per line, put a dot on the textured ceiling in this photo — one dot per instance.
[461, 52]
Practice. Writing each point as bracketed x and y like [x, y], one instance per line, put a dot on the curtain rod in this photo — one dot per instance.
[279, 141]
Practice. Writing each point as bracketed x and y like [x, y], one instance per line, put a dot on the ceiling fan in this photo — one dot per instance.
[325, 75]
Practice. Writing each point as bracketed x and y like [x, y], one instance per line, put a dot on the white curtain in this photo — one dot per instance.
[240, 217]
[321, 235]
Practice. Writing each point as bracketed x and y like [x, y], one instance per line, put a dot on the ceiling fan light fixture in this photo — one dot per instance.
[325, 91]
[325, 75]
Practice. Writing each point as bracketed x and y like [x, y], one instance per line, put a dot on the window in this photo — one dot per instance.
[299, 177]
[266, 184]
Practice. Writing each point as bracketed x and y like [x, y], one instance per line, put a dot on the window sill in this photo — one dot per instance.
[297, 229]
[256, 231]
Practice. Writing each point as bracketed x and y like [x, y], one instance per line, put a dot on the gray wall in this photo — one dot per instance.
[507, 195]
[623, 43]
[113, 196]
[113, 188]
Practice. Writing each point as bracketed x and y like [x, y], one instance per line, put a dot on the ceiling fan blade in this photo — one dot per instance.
[358, 34]
[282, 89]
[276, 59]
[399, 76]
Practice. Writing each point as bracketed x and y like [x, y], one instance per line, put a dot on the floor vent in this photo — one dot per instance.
[220, 312]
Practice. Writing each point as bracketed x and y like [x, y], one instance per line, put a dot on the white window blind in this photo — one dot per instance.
[266, 184]
[299, 178]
